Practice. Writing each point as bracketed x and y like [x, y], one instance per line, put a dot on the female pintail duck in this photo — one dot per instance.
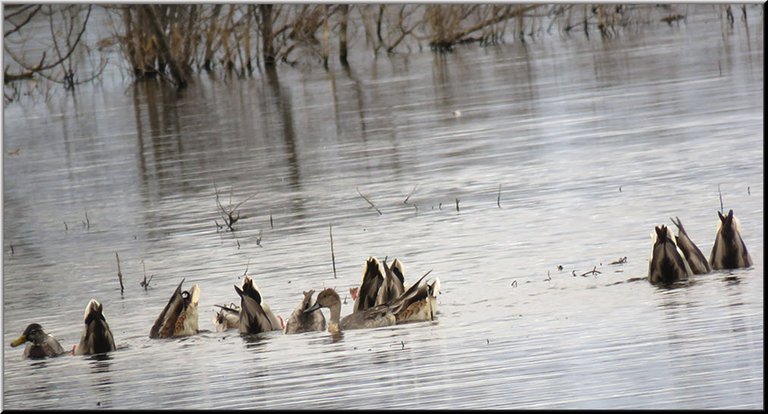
[697, 261]
[418, 303]
[228, 317]
[255, 314]
[373, 317]
[96, 337]
[393, 285]
[729, 250]
[40, 345]
[373, 278]
[179, 317]
[299, 321]
[667, 264]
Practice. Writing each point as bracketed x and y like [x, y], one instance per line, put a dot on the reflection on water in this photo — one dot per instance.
[567, 152]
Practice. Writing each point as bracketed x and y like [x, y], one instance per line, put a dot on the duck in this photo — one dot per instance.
[419, 302]
[667, 264]
[393, 282]
[96, 337]
[41, 344]
[300, 322]
[367, 294]
[255, 314]
[228, 317]
[697, 261]
[373, 317]
[179, 317]
[729, 250]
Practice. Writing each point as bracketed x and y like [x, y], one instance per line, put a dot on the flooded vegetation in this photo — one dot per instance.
[528, 176]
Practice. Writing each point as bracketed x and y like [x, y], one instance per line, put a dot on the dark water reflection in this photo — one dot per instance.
[591, 142]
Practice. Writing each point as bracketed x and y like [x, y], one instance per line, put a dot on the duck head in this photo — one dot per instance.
[33, 333]
[327, 298]
[179, 317]
[96, 337]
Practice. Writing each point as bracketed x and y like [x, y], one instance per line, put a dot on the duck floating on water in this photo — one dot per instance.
[96, 337]
[667, 264]
[419, 302]
[393, 282]
[255, 314]
[696, 260]
[368, 292]
[301, 321]
[179, 317]
[228, 317]
[729, 250]
[41, 344]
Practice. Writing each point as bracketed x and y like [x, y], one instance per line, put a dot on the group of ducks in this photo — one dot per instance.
[676, 259]
[380, 300]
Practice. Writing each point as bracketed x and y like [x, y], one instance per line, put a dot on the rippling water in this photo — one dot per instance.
[585, 145]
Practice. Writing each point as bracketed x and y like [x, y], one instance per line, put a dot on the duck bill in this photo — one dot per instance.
[20, 340]
[312, 308]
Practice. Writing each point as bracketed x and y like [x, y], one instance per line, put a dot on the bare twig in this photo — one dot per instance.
[369, 201]
[498, 197]
[410, 194]
[333, 257]
[258, 239]
[594, 271]
[119, 274]
[721, 198]
[145, 283]
[457, 205]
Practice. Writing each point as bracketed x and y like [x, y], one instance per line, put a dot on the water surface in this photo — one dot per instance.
[567, 152]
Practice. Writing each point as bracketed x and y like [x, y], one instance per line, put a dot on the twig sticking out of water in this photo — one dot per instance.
[594, 271]
[66, 228]
[498, 197]
[620, 261]
[333, 257]
[369, 201]
[410, 194]
[119, 274]
[721, 198]
[748, 193]
[271, 225]
[86, 223]
[457, 205]
[258, 240]
[230, 215]
[12, 249]
[145, 283]
[514, 283]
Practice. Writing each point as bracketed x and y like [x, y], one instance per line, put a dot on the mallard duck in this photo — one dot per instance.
[179, 317]
[228, 317]
[41, 344]
[693, 255]
[667, 264]
[393, 285]
[97, 337]
[255, 314]
[374, 317]
[729, 250]
[299, 321]
[373, 278]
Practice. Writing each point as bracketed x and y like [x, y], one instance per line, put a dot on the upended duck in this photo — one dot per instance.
[255, 314]
[228, 317]
[696, 260]
[41, 344]
[96, 337]
[667, 264]
[301, 321]
[380, 284]
[179, 317]
[729, 250]
[418, 303]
